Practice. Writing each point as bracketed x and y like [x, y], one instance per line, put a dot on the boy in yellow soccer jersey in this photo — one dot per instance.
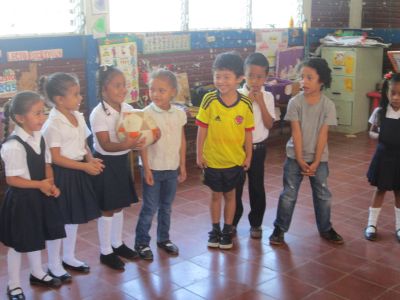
[224, 143]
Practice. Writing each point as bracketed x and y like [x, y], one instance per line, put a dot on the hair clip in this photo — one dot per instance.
[388, 75]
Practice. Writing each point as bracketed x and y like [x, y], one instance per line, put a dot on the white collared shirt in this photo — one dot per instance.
[260, 133]
[390, 114]
[59, 132]
[14, 155]
[165, 153]
[100, 121]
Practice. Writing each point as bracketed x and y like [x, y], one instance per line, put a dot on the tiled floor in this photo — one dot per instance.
[306, 268]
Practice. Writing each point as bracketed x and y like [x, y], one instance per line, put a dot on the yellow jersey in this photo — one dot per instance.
[226, 126]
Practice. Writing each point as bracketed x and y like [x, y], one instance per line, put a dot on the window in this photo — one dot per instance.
[170, 15]
[145, 15]
[27, 17]
[217, 14]
[266, 14]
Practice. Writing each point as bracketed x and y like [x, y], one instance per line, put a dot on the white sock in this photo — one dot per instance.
[14, 268]
[54, 259]
[35, 262]
[69, 246]
[104, 225]
[373, 218]
[397, 213]
[116, 231]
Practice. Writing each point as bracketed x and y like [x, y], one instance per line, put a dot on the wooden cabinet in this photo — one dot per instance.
[355, 72]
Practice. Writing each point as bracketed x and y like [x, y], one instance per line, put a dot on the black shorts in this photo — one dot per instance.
[223, 180]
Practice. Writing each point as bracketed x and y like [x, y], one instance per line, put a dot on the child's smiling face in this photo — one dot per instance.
[394, 95]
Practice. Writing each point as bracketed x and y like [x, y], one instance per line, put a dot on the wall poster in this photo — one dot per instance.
[122, 53]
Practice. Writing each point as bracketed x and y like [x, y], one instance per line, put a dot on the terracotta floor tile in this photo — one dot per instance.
[379, 274]
[323, 295]
[389, 295]
[284, 287]
[352, 287]
[341, 260]
[315, 274]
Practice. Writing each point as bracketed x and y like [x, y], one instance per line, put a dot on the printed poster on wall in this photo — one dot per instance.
[8, 83]
[122, 53]
[269, 41]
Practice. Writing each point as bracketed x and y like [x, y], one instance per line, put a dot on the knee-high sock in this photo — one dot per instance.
[69, 245]
[35, 262]
[54, 258]
[373, 218]
[117, 227]
[397, 213]
[104, 225]
[14, 268]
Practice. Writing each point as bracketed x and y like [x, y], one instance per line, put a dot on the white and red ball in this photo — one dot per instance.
[135, 123]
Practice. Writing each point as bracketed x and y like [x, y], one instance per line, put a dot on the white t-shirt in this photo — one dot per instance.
[390, 114]
[100, 121]
[59, 132]
[260, 132]
[164, 154]
[14, 155]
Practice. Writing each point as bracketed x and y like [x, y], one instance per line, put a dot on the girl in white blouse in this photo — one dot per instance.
[29, 214]
[66, 132]
[114, 187]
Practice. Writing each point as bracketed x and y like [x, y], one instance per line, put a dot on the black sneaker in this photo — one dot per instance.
[113, 261]
[125, 252]
[256, 232]
[144, 252]
[225, 240]
[169, 247]
[277, 236]
[213, 238]
[332, 236]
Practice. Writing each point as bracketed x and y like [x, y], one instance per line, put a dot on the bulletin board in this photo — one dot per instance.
[122, 53]
[269, 41]
[394, 57]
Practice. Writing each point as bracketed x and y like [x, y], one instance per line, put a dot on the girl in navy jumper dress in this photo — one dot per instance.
[29, 214]
[384, 170]
[114, 187]
[66, 132]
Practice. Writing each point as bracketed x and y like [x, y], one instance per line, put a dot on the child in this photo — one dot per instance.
[310, 113]
[164, 164]
[224, 143]
[256, 69]
[29, 214]
[384, 170]
[114, 186]
[65, 132]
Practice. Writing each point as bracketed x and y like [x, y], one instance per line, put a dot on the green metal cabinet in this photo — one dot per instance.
[355, 72]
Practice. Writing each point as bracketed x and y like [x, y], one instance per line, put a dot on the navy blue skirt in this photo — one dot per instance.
[384, 170]
[77, 201]
[28, 218]
[114, 187]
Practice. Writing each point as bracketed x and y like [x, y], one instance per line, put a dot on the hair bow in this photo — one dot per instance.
[388, 76]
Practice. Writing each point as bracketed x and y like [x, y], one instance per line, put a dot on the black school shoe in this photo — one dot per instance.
[332, 236]
[125, 252]
[370, 236]
[82, 268]
[65, 278]
[169, 247]
[144, 252]
[54, 282]
[19, 296]
[113, 261]
[277, 237]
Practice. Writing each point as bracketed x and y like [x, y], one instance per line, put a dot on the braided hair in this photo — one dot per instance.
[103, 77]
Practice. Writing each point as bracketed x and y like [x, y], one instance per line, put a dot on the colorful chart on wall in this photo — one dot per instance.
[167, 42]
[269, 41]
[122, 53]
[394, 57]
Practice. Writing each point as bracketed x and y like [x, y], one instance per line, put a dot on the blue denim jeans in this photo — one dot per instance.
[157, 198]
[321, 195]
